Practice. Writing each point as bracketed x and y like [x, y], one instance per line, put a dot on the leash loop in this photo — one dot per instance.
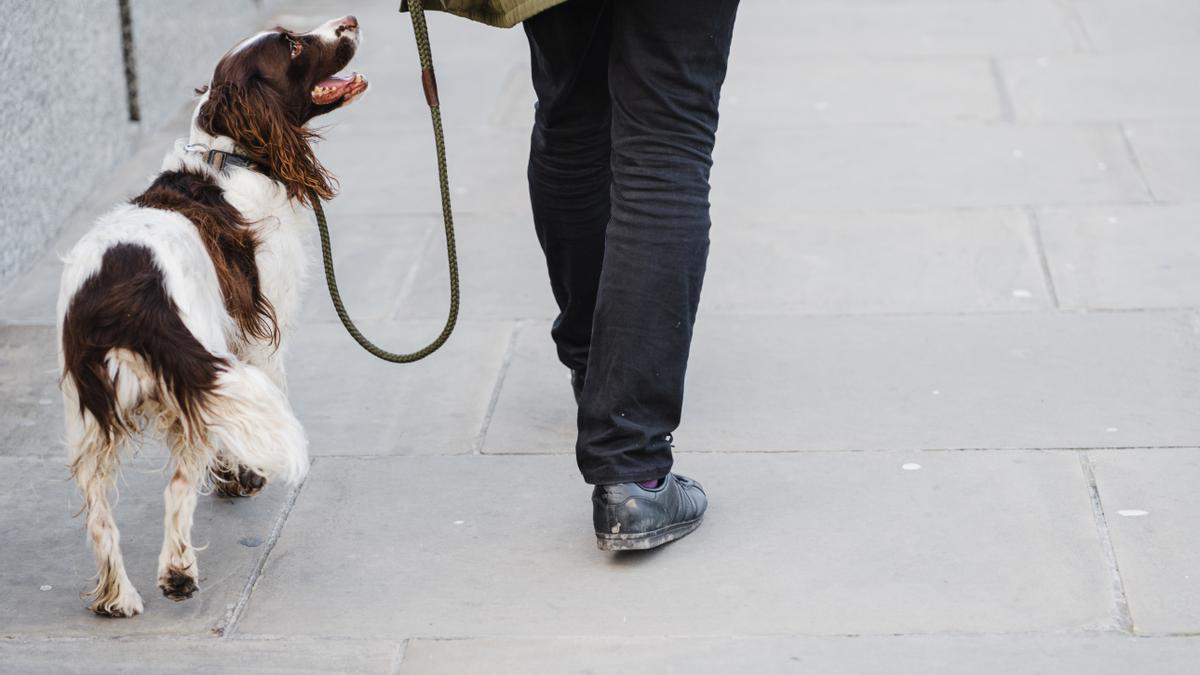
[429, 85]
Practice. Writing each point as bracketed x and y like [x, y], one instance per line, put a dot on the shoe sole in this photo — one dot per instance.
[642, 541]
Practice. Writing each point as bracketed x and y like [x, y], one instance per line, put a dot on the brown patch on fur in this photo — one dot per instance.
[230, 242]
[125, 305]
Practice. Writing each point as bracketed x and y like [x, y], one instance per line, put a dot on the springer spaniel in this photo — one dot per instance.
[173, 308]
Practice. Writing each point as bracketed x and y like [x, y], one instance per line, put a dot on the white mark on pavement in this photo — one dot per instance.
[44, 401]
[936, 392]
[822, 106]
[459, 522]
[910, 466]
[1112, 430]
[1022, 293]
[1113, 220]
[45, 587]
[1132, 513]
[1102, 166]
[1043, 62]
[1018, 154]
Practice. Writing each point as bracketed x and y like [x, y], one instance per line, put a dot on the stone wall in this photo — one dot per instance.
[64, 114]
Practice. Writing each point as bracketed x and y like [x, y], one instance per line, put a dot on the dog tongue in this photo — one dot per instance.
[330, 90]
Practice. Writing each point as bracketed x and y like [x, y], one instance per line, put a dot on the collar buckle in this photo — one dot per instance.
[219, 159]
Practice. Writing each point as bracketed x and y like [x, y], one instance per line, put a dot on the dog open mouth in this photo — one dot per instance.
[336, 89]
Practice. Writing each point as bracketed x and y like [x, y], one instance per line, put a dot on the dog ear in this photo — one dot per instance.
[254, 117]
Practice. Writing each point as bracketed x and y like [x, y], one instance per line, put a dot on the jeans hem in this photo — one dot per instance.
[615, 479]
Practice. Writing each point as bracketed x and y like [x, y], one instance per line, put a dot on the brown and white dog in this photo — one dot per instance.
[173, 310]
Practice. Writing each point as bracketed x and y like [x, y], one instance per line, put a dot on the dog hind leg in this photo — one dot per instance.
[94, 464]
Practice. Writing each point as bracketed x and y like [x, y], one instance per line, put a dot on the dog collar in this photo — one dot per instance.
[220, 159]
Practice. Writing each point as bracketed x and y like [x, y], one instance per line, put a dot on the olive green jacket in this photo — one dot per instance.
[501, 13]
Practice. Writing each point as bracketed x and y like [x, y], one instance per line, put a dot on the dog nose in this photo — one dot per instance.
[349, 22]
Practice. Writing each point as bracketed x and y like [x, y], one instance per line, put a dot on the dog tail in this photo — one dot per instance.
[123, 342]
[249, 418]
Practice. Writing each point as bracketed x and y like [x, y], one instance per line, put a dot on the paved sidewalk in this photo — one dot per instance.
[945, 393]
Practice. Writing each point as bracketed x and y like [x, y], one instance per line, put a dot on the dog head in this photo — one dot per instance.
[265, 91]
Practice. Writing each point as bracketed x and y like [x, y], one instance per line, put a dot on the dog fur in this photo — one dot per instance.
[174, 309]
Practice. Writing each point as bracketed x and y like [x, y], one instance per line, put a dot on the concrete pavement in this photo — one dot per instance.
[945, 393]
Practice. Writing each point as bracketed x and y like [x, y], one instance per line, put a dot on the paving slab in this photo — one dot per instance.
[45, 563]
[899, 655]
[1155, 84]
[535, 411]
[784, 30]
[1124, 257]
[199, 656]
[32, 296]
[849, 90]
[849, 262]
[351, 403]
[1123, 26]
[373, 256]
[1169, 154]
[31, 417]
[486, 166]
[502, 272]
[779, 383]
[502, 546]
[1150, 504]
[882, 166]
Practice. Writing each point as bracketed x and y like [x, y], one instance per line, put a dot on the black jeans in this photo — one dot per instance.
[618, 178]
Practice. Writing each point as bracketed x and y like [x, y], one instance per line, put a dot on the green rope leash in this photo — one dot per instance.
[429, 83]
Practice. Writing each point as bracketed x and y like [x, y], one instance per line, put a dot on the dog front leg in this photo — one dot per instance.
[231, 479]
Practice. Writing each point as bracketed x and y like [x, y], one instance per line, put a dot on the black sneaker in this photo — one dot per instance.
[629, 517]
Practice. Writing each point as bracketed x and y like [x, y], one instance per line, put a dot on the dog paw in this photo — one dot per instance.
[177, 585]
[123, 605]
[241, 482]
